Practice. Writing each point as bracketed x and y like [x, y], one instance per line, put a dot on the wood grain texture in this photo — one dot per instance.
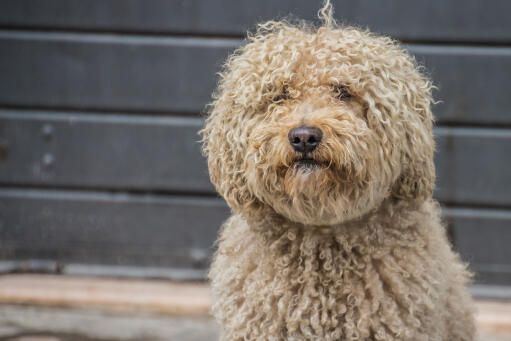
[470, 83]
[109, 228]
[71, 227]
[109, 72]
[120, 152]
[482, 237]
[473, 166]
[459, 20]
[149, 153]
[176, 75]
[99, 104]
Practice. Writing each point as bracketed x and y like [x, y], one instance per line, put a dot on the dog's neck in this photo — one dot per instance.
[370, 227]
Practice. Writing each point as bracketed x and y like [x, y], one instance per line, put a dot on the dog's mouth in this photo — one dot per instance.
[307, 163]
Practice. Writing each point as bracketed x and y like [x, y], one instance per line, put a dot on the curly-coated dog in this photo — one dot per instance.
[320, 140]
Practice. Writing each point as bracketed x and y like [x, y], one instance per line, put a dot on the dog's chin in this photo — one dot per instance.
[317, 217]
[320, 193]
[324, 214]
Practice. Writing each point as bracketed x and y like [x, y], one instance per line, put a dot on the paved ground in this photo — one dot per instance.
[29, 323]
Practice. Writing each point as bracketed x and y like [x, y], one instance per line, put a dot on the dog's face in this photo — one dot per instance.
[320, 125]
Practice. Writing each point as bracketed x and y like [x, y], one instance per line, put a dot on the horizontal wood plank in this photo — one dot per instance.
[103, 151]
[482, 238]
[109, 229]
[179, 232]
[470, 83]
[425, 20]
[109, 72]
[473, 166]
[158, 74]
[147, 153]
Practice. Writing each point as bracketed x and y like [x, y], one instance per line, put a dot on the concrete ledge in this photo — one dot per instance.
[153, 296]
[494, 318]
[173, 298]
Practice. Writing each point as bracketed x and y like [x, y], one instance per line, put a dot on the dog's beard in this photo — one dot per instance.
[315, 192]
[311, 179]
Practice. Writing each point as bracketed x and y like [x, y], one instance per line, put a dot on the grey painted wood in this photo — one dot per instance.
[148, 153]
[473, 166]
[110, 229]
[482, 237]
[103, 151]
[157, 82]
[108, 71]
[471, 83]
[460, 20]
[71, 227]
[131, 73]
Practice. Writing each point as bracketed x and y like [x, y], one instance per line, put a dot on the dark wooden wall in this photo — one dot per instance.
[100, 167]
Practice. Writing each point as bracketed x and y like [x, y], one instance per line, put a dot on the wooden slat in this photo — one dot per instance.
[110, 229]
[178, 232]
[109, 72]
[123, 152]
[471, 83]
[103, 151]
[459, 20]
[473, 166]
[482, 237]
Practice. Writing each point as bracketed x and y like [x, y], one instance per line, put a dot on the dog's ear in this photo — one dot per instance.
[224, 145]
[417, 178]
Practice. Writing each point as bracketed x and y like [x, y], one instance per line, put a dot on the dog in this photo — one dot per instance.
[320, 140]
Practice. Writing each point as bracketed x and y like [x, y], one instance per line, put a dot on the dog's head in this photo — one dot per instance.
[321, 124]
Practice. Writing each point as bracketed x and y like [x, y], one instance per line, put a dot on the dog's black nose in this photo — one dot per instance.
[305, 139]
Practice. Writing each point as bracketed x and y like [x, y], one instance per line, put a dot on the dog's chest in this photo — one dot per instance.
[330, 288]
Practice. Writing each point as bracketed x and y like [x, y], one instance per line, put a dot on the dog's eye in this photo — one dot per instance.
[284, 95]
[341, 92]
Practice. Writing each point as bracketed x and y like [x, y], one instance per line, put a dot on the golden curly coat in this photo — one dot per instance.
[343, 242]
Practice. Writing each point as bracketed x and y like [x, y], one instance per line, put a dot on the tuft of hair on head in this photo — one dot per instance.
[326, 14]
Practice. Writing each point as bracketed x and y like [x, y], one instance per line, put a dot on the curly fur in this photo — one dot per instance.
[351, 249]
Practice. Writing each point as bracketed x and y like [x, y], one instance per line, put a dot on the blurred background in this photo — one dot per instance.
[101, 101]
